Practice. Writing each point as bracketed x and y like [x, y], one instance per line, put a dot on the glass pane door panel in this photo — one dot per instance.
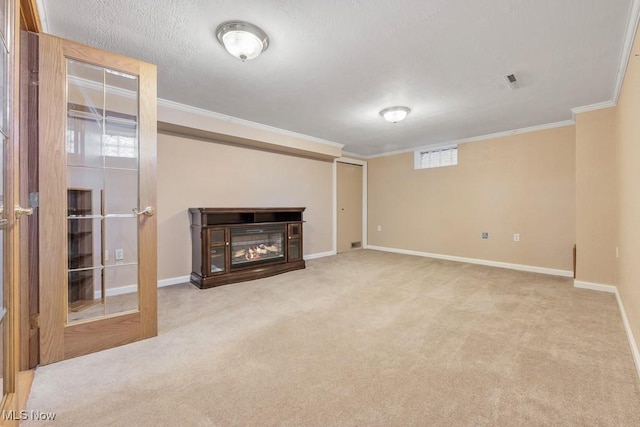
[216, 236]
[85, 88]
[217, 259]
[84, 243]
[121, 146]
[121, 286]
[121, 139]
[85, 121]
[84, 141]
[84, 191]
[85, 294]
[294, 249]
[121, 95]
[3, 216]
[121, 191]
[294, 230]
[3, 89]
[121, 241]
[102, 181]
[3, 20]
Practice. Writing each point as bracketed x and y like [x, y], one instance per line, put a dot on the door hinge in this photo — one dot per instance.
[34, 321]
[34, 199]
[34, 78]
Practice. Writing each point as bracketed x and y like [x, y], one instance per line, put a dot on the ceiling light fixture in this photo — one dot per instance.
[242, 39]
[395, 114]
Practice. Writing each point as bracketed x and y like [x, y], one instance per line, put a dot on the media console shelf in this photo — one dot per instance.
[237, 244]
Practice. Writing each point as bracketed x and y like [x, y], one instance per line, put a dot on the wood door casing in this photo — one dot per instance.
[349, 205]
[29, 333]
[58, 340]
[11, 185]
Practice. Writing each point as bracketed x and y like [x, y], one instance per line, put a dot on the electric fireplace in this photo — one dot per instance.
[256, 245]
[236, 244]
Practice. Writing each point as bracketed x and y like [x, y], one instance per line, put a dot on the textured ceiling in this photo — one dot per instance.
[332, 65]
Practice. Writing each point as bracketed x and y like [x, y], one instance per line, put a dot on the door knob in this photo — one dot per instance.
[148, 211]
[20, 211]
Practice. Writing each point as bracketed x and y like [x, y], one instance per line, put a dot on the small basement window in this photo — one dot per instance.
[435, 157]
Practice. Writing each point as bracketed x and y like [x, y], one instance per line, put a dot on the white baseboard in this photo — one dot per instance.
[133, 288]
[173, 281]
[318, 255]
[521, 267]
[595, 286]
[625, 320]
[627, 327]
[117, 291]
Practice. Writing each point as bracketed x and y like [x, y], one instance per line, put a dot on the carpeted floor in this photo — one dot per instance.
[363, 338]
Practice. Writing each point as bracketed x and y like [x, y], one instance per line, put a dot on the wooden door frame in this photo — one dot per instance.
[351, 161]
[28, 152]
[11, 275]
[29, 332]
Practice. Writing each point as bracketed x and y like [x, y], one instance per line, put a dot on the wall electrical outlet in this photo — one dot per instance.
[119, 254]
[106, 255]
[485, 235]
[379, 228]
[516, 237]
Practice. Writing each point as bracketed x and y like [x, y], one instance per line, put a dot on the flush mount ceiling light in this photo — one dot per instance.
[395, 114]
[242, 39]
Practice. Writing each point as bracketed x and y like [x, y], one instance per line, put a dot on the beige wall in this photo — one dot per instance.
[596, 197]
[196, 173]
[627, 129]
[517, 184]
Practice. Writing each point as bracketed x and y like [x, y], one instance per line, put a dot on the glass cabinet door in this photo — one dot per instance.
[295, 242]
[218, 245]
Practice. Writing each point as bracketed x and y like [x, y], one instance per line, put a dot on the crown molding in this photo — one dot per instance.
[79, 81]
[632, 27]
[42, 13]
[591, 107]
[475, 138]
[247, 123]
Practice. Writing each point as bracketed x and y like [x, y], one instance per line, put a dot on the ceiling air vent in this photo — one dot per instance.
[512, 82]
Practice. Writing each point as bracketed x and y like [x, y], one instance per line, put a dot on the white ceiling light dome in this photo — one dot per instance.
[395, 114]
[242, 39]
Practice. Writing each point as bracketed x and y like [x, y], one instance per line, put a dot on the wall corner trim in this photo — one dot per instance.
[499, 264]
[595, 286]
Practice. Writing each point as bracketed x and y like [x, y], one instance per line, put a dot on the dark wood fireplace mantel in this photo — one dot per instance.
[237, 244]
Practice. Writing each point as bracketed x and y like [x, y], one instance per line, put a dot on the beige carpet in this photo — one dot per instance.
[364, 338]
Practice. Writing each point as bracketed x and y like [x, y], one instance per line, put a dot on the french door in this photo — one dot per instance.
[97, 228]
